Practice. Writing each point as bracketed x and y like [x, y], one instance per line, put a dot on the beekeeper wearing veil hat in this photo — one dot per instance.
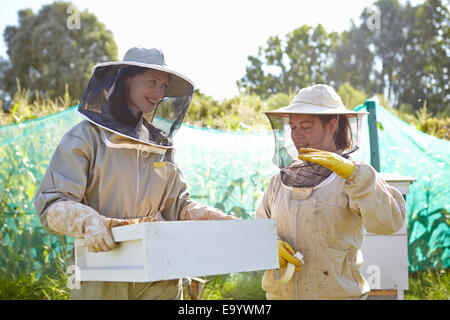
[116, 167]
[322, 200]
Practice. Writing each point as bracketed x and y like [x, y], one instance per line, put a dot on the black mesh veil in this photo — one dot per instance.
[157, 127]
[297, 173]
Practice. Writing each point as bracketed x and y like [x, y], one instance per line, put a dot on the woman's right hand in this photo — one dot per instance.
[80, 221]
[97, 232]
[286, 254]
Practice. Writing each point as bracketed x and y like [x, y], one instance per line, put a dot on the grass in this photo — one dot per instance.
[25, 107]
[234, 286]
[28, 287]
[430, 285]
[240, 286]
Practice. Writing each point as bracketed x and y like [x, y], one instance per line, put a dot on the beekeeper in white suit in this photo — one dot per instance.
[117, 166]
[322, 200]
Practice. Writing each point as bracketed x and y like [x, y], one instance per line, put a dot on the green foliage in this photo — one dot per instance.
[26, 287]
[25, 108]
[243, 112]
[286, 65]
[45, 54]
[420, 252]
[407, 59]
[19, 175]
[278, 100]
[439, 128]
[430, 285]
[33, 262]
[235, 286]
[421, 119]
[351, 97]
[202, 109]
[353, 60]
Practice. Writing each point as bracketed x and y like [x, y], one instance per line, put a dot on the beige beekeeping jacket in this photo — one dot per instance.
[120, 178]
[326, 224]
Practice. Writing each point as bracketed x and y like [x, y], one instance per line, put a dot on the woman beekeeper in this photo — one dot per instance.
[118, 165]
[322, 200]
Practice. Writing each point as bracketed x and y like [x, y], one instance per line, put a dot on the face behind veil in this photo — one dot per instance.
[106, 100]
[316, 101]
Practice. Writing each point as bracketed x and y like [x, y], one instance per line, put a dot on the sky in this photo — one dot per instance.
[207, 41]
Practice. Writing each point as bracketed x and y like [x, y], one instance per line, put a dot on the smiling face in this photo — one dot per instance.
[308, 131]
[145, 90]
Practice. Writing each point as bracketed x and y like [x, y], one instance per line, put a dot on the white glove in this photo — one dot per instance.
[198, 211]
[82, 222]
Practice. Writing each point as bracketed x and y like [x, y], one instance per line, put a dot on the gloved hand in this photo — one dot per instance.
[97, 232]
[330, 160]
[83, 222]
[199, 211]
[152, 218]
[285, 254]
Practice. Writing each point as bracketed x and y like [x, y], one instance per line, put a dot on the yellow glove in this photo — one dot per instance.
[330, 160]
[285, 254]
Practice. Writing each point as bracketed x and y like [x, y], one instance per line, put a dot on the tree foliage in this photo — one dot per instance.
[286, 65]
[45, 53]
[406, 58]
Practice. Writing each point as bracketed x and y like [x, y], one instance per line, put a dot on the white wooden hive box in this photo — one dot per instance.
[176, 249]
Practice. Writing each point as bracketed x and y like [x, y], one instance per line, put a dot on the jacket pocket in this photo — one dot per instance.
[332, 199]
[336, 279]
[330, 211]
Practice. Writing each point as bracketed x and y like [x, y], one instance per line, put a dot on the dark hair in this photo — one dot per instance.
[118, 101]
[343, 133]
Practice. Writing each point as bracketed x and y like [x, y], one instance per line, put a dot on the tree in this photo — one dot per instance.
[351, 97]
[287, 65]
[426, 59]
[406, 58]
[45, 52]
[353, 61]
[386, 44]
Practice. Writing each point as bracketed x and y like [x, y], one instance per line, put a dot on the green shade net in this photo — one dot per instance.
[228, 170]
[409, 152]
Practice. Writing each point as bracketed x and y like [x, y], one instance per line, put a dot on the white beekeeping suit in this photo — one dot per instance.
[322, 200]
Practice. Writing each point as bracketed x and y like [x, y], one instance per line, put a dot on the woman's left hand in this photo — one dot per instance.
[343, 167]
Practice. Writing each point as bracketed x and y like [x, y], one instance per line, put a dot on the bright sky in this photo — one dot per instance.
[208, 41]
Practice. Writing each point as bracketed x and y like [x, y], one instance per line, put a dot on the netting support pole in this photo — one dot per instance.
[373, 134]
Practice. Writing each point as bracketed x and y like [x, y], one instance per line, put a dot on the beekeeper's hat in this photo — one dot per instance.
[179, 84]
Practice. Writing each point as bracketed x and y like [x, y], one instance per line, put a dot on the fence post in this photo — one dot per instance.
[373, 135]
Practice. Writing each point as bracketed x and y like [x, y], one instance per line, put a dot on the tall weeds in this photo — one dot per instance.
[25, 107]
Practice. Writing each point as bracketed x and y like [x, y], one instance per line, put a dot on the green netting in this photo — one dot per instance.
[25, 151]
[231, 170]
[410, 152]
